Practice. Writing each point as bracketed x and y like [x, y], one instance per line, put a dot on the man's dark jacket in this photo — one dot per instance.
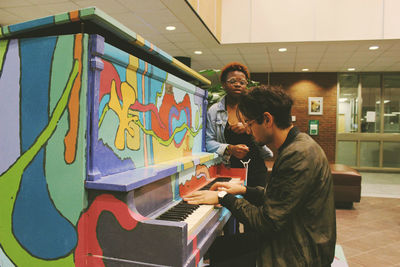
[295, 214]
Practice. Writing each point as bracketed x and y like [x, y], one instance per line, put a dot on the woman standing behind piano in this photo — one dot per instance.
[226, 136]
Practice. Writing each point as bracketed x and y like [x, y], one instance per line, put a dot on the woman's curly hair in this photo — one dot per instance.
[234, 66]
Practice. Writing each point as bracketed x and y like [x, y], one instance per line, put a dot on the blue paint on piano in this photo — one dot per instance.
[119, 138]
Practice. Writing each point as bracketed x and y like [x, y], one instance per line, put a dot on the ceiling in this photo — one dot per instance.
[149, 18]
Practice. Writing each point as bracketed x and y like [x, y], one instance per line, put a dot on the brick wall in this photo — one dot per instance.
[301, 86]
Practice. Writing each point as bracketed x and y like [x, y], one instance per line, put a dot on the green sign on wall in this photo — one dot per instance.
[313, 126]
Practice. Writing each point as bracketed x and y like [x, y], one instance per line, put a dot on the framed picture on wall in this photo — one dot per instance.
[315, 105]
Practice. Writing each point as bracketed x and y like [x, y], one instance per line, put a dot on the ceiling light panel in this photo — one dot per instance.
[257, 62]
[282, 69]
[260, 68]
[190, 45]
[110, 7]
[60, 7]
[7, 18]
[286, 59]
[226, 50]
[160, 26]
[256, 56]
[253, 50]
[385, 61]
[372, 68]
[231, 56]
[29, 12]
[143, 5]
[342, 47]
[311, 48]
[177, 37]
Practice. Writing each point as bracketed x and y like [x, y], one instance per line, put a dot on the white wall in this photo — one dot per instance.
[249, 21]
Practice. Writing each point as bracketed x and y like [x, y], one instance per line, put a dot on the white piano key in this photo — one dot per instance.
[194, 219]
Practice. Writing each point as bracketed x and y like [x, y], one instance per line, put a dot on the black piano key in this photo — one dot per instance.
[218, 179]
[179, 212]
[173, 214]
[177, 217]
[186, 209]
[169, 219]
[182, 214]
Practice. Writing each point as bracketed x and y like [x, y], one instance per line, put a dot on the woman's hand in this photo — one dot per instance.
[230, 187]
[202, 197]
[239, 151]
[238, 128]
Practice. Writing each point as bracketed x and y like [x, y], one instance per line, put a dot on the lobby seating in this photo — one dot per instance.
[347, 185]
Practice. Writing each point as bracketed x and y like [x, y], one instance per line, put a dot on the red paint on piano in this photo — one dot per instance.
[108, 75]
[201, 177]
[196, 251]
[87, 224]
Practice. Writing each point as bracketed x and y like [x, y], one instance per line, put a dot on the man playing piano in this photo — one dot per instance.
[293, 217]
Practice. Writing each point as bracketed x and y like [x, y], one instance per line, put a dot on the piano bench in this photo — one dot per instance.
[346, 184]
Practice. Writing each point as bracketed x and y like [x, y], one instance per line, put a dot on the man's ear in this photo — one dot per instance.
[268, 117]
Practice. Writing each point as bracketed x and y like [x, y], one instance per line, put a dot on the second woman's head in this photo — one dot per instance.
[234, 77]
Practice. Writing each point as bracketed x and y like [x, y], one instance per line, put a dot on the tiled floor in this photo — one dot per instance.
[380, 184]
[369, 233]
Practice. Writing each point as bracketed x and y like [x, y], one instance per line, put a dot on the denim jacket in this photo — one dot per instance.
[217, 117]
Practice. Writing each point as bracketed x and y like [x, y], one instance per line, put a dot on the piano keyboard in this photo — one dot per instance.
[191, 214]
[218, 179]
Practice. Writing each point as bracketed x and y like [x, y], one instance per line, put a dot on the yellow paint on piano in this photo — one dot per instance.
[190, 71]
[206, 158]
[139, 40]
[187, 162]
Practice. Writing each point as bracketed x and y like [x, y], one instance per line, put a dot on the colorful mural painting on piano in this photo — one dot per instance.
[31, 221]
[73, 107]
[202, 175]
[41, 176]
[87, 226]
[44, 111]
[151, 124]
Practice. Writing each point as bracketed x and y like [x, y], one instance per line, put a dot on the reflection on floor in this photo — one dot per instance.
[380, 184]
[369, 233]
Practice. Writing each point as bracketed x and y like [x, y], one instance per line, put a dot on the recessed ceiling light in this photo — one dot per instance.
[351, 69]
[198, 52]
[283, 49]
[170, 28]
[304, 69]
[373, 47]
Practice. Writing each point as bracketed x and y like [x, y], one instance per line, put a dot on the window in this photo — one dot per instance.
[347, 152]
[391, 93]
[348, 107]
[370, 103]
[368, 121]
[390, 154]
[369, 154]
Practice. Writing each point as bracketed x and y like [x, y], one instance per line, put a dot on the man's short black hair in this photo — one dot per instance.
[260, 99]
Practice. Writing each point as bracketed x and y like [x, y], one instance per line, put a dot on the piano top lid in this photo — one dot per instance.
[94, 21]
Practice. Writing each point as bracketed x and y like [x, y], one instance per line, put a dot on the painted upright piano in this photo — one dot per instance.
[101, 133]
